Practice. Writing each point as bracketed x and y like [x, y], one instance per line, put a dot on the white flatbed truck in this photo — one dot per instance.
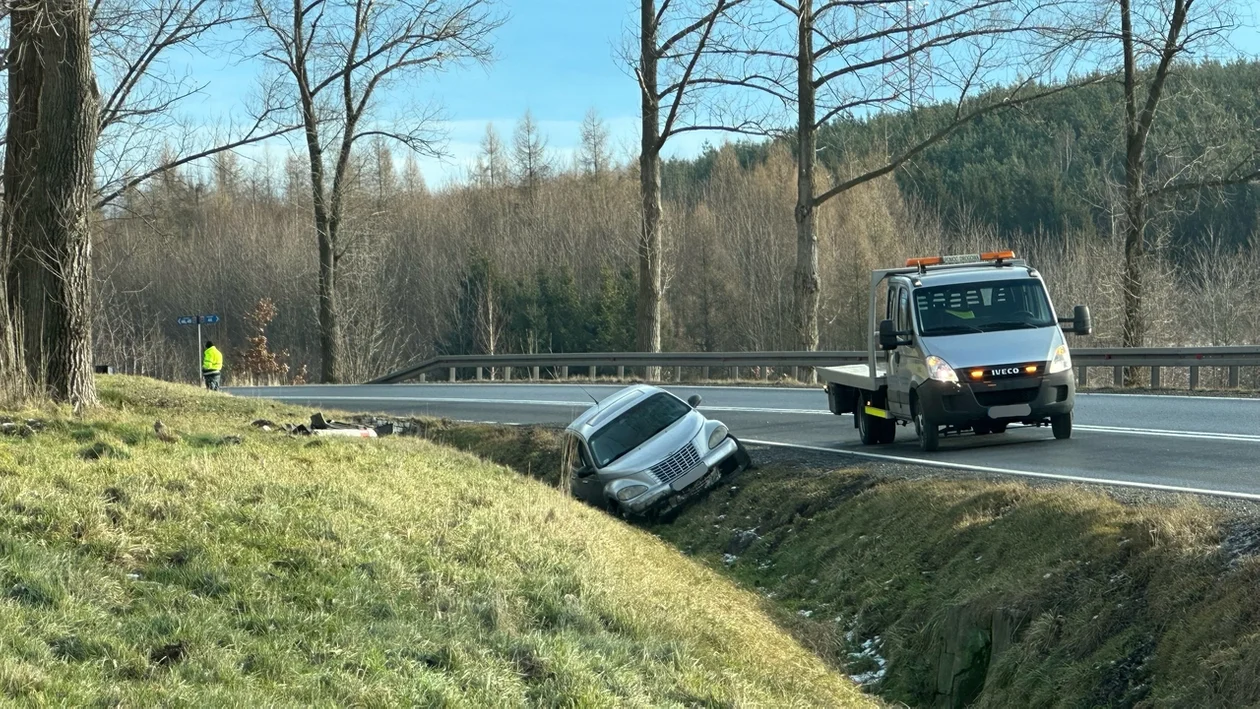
[957, 344]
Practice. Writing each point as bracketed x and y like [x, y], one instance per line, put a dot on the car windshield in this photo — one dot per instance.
[636, 426]
[983, 307]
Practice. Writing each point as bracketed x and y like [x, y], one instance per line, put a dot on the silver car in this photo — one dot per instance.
[644, 451]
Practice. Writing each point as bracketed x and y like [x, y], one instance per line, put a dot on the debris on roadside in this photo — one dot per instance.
[22, 429]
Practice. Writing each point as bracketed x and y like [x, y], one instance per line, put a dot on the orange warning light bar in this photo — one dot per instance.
[925, 261]
[1006, 255]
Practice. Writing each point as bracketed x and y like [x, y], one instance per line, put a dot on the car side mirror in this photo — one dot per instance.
[1081, 322]
[694, 401]
[584, 472]
[890, 336]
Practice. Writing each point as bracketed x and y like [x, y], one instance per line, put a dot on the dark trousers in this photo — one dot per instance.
[212, 380]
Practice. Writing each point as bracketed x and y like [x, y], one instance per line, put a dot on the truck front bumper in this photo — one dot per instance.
[1016, 400]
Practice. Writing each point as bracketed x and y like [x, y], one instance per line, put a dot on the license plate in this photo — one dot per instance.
[1004, 412]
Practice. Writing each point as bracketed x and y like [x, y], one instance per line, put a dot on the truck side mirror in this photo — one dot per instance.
[694, 401]
[888, 335]
[1081, 321]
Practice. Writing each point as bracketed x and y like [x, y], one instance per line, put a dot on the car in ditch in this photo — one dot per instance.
[644, 452]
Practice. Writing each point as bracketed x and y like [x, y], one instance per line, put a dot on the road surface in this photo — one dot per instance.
[1196, 444]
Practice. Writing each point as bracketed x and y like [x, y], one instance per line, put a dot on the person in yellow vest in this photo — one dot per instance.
[212, 366]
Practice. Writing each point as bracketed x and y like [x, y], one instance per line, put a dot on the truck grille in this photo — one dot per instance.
[673, 467]
[1007, 397]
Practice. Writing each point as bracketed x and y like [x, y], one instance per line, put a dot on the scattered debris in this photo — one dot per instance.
[741, 541]
[232, 440]
[729, 559]
[804, 613]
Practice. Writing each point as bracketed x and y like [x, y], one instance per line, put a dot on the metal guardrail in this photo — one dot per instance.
[759, 364]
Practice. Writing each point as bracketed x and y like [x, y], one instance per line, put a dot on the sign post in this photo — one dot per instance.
[198, 320]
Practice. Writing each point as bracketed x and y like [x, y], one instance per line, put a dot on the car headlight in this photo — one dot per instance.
[718, 435]
[630, 492]
[940, 371]
[1060, 360]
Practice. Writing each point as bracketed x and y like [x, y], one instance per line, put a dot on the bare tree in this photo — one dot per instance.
[49, 169]
[851, 58]
[342, 58]
[529, 152]
[492, 162]
[671, 66]
[1153, 37]
[594, 156]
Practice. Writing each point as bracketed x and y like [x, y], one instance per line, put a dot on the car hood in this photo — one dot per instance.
[982, 349]
[657, 448]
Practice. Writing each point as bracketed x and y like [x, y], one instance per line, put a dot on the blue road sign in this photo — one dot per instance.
[209, 319]
[186, 320]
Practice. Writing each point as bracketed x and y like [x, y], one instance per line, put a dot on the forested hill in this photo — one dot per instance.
[1054, 165]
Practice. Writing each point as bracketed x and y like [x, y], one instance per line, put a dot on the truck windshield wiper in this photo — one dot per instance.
[1011, 325]
[957, 329]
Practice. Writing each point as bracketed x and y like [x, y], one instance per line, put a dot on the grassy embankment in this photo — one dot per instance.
[995, 594]
[276, 570]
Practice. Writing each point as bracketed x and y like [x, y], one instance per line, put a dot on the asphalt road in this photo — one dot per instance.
[1195, 444]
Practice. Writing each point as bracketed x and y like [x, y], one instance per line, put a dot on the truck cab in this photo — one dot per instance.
[963, 344]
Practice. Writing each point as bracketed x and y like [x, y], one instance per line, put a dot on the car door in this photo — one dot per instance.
[898, 371]
[589, 489]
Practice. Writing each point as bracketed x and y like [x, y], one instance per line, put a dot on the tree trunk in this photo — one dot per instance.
[650, 260]
[329, 318]
[25, 79]
[805, 284]
[57, 301]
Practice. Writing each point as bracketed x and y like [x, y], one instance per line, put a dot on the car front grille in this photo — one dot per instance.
[673, 467]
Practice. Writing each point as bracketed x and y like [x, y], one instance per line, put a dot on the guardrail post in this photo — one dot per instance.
[796, 374]
[735, 373]
[564, 372]
[1194, 378]
[452, 377]
[478, 373]
[621, 373]
[677, 375]
[765, 373]
[1154, 377]
[1117, 377]
[507, 374]
[421, 378]
[1082, 376]
[1233, 377]
[533, 374]
[704, 373]
[592, 373]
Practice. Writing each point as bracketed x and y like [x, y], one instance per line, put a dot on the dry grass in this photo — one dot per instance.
[285, 571]
[1104, 604]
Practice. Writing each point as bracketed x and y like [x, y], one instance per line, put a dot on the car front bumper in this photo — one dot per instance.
[1031, 400]
[724, 458]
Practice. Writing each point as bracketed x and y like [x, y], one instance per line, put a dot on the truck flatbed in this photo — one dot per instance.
[857, 376]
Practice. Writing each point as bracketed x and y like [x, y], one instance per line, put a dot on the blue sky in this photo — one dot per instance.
[557, 58]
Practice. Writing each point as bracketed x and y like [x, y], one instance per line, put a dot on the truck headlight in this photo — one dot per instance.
[718, 435]
[940, 371]
[1060, 360]
[630, 492]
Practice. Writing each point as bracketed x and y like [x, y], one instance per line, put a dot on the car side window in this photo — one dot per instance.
[890, 309]
[903, 309]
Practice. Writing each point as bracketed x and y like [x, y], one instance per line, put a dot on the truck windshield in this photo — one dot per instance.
[635, 427]
[983, 307]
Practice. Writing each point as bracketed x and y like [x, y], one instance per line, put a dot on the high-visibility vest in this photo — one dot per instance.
[212, 361]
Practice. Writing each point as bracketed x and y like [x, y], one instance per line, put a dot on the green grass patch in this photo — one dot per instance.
[285, 571]
[939, 592]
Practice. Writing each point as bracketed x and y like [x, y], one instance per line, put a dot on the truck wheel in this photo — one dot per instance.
[1061, 424]
[929, 433]
[868, 428]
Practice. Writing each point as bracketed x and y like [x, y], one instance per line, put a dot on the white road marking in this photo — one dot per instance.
[1007, 471]
[1154, 432]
